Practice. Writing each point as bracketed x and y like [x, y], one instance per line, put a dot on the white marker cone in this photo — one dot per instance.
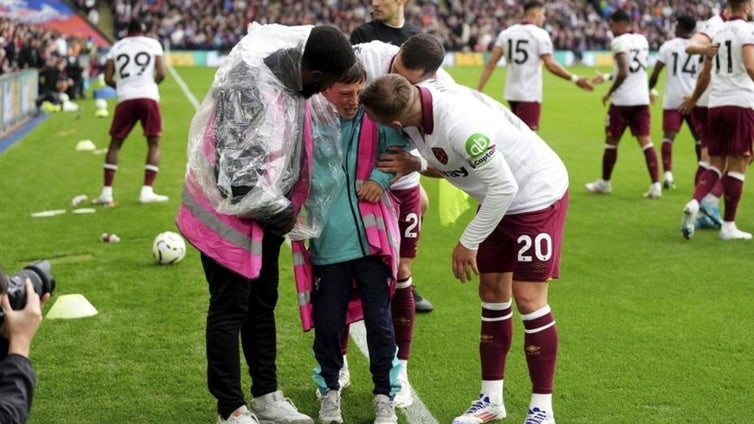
[70, 306]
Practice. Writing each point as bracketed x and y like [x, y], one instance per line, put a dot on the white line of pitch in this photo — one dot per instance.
[417, 413]
[189, 95]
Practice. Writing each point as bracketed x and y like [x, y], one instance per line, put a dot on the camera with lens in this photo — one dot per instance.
[15, 285]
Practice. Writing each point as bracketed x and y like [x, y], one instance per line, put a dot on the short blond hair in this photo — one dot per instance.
[389, 97]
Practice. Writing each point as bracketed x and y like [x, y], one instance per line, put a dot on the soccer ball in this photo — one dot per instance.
[168, 248]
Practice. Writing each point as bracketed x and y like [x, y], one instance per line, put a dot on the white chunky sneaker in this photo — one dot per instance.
[344, 380]
[654, 192]
[152, 198]
[329, 410]
[274, 408]
[241, 415]
[481, 411]
[404, 398]
[688, 220]
[103, 200]
[600, 187]
[384, 410]
[728, 231]
[539, 416]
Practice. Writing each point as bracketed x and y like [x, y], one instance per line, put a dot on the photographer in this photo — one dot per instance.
[16, 375]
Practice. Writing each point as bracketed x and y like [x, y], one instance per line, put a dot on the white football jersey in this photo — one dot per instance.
[731, 85]
[134, 59]
[377, 58]
[681, 70]
[709, 29]
[634, 91]
[524, 44]
[485, 150]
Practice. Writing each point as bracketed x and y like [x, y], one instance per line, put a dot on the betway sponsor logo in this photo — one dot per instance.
[457, 173]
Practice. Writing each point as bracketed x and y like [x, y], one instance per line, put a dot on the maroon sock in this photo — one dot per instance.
[706, 182]
[734, 186]
[110, 174]
[495, 342]
[150, 173]
[718, 189]
[608, 162]
[404, 312]
[667, 155]
[541, 349]
[650, 156]
[699, 171]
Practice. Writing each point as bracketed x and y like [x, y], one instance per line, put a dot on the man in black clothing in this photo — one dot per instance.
[17, 378]
[388, 24]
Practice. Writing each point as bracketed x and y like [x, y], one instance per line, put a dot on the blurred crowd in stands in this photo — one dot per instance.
[64, 62]
[462, 25]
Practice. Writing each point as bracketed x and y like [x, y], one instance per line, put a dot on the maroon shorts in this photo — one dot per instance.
[129, 112]
[699, 118]
[672, 121]
[527, 244]
[408, 202]
[528, 112]
[731, 130]
[634, 117]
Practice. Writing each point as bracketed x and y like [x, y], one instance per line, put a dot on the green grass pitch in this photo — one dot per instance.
[653, 328]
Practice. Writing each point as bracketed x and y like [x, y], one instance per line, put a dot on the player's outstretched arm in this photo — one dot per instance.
[556, 68]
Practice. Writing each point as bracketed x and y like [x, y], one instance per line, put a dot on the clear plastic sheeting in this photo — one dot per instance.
[327, 169]
[245, 142]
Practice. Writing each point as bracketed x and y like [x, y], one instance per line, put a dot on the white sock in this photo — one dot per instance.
[493, 389]
[107, 192]
[541, 401]
[404, 368]
[146, 190]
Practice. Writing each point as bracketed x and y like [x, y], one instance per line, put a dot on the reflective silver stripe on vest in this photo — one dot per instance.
[225, 232]
[304, 298]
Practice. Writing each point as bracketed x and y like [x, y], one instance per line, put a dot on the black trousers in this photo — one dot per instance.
[245, 307]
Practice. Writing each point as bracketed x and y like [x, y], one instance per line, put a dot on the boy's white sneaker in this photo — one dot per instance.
[384, 410]
[329, 410]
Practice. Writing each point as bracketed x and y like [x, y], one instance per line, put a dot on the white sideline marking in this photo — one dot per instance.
[417, 413]
[189, 95]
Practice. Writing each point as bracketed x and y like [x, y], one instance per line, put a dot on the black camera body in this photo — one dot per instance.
[39, 275]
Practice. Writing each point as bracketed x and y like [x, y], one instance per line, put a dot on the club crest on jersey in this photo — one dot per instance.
[480, 149]
[440, 155]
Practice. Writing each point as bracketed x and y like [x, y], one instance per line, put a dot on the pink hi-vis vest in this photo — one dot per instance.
[233, 242]
[381, 225]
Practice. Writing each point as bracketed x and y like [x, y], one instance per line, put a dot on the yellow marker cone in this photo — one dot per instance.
[69, 306]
